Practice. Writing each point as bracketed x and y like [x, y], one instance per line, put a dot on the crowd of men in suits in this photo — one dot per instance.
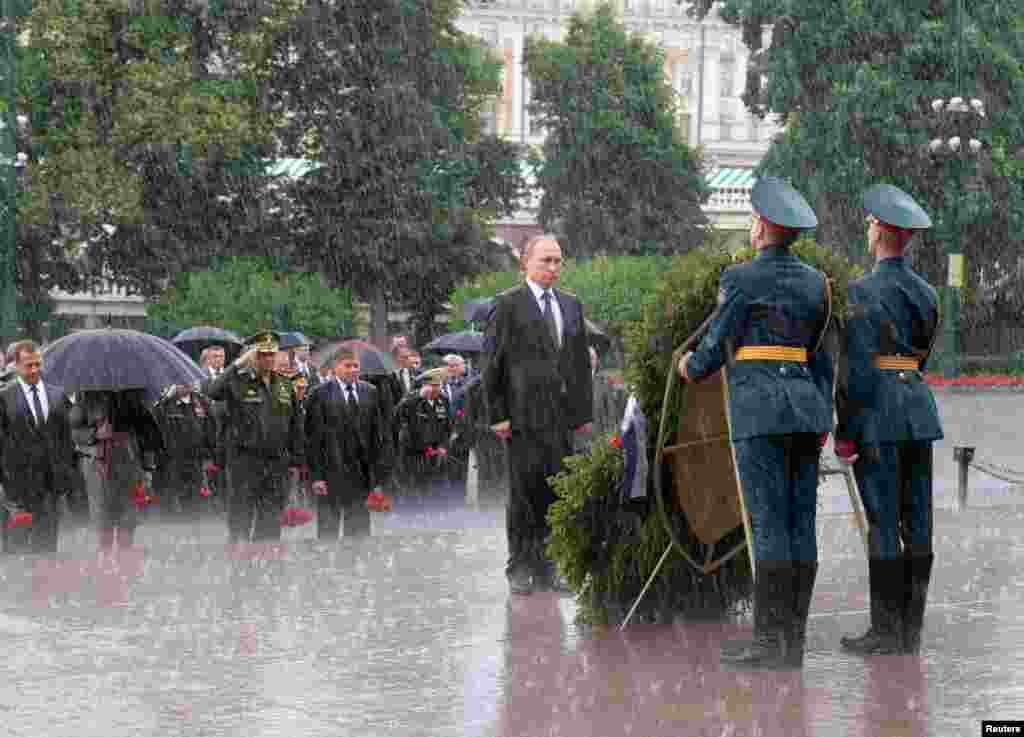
[262, 432]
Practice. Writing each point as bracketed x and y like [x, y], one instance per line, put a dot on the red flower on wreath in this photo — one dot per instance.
[615, 441]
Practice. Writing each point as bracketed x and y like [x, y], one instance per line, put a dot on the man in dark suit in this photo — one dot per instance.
[37, 452]
[539, 389]
[345, 448]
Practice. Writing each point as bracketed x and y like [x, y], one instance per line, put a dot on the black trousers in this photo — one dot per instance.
[39, 537]
[257, 497]
[348, 495]
[533, 456]
[177, 483]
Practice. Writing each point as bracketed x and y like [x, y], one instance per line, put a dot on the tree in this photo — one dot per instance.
[119, 95]
[854, 82]
[247, 295]
[616, 173]
[388, 95]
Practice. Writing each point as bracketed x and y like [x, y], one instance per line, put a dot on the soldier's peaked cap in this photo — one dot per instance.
[437, 376]
[892, 206]
[265, 342]
[779, 203]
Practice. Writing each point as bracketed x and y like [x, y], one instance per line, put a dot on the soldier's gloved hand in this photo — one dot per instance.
[320, 488]
[846, 451]
[246, 359]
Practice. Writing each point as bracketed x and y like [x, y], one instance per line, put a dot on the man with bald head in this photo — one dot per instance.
[539, 390]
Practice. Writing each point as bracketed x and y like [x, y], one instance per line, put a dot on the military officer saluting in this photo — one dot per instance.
[264, 437]
[888, 422]
[773, 312]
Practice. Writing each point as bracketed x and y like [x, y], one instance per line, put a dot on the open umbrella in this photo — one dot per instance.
[372, 360]
[194, 340]
[111, 359]
[464, 341]
[475, 310]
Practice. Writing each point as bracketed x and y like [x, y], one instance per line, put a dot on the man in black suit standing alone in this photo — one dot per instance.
[37, 454]
[539, 390]
[345, 448]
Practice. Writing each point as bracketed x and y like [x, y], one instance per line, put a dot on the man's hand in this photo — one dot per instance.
[682, 366]
[320, 488]
[586, 427]
[503, 429]
[247, 359]
[846, 451]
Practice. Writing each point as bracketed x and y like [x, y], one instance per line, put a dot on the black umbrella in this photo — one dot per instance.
[476, 310]
[293, 340]
[115, 360]
[194, 340]
[464, 341]
[596, 336]
[372, 360]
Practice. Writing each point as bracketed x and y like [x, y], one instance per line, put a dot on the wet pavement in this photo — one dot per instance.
[412, 632]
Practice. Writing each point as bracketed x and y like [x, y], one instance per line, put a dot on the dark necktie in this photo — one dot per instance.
[38, 406]
[353, 404]
[549, 318]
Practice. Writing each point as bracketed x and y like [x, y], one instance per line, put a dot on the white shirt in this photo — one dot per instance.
[556, 309]
[344, 391]
[27, 390]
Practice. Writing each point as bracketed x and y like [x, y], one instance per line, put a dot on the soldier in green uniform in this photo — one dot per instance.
[264, 438]
[888, 422]
[425, 430]
[768, 327]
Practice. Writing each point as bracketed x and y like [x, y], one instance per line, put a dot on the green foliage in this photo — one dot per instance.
[616, 173]
[685, 294]
[245, 295]
[855, 82]
[612, 288]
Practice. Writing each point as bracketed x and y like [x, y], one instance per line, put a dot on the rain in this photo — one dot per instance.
[297, 184]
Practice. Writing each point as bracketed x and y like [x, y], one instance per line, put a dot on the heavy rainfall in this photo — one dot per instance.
[511, 368]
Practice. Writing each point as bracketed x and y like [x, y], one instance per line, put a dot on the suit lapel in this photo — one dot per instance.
[26, 411]
[533, 309]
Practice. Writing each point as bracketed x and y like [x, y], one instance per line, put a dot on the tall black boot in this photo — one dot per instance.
[803, 589]
[885, 636]
[917, 573]
[773, 613]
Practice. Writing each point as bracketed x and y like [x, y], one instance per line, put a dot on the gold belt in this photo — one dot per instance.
[897, 363]
[771, 353]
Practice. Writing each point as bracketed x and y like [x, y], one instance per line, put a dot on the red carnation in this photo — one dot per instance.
[204, 491]
[460, 413]
[295, 517]
[615, 441]
[19, 519]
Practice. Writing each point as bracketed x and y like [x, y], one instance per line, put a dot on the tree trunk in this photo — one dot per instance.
[379, 317]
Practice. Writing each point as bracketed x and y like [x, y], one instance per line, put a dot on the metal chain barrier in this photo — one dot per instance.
[1004, 473]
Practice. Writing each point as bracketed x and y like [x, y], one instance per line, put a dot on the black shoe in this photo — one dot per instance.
[773, 611]
[917, 574]
[885, 635]
[803, 590]
[520, 582]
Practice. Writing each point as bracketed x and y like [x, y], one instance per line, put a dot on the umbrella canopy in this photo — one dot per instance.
[372, 360]
[464, 341]
[293, 340]
[114, 360]
[596, 336]
[194, 340]
[475, 310]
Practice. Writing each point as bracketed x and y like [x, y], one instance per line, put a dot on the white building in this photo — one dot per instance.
[705, 63]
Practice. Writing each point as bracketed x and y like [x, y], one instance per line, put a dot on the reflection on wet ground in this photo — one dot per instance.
[411, 632]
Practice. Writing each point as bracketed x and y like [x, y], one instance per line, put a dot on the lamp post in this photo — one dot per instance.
[963, 120]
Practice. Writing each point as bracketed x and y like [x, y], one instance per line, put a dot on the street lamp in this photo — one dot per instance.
[963, 120]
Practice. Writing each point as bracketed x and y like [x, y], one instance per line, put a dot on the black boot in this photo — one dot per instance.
[773, 613]
[917, 573]
[803, 589]
[885, 636]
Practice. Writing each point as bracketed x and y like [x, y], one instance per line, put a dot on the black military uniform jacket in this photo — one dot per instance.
[422, 425]
[263, 419]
